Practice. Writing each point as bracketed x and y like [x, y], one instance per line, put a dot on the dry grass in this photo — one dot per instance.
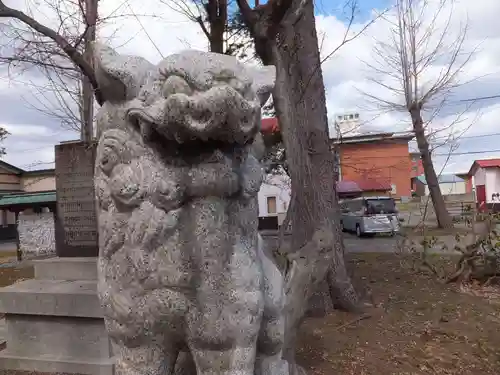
[418, 326]
[10, 275]
[433, 231]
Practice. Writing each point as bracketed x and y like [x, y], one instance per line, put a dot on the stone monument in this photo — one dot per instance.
[76, 222]
[180, 269]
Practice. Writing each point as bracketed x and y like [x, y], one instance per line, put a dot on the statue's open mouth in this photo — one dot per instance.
[218, 114]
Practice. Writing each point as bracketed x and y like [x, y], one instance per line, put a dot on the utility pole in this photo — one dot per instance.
[87, 101]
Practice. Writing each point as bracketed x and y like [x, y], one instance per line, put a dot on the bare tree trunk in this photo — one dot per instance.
[217, 18]
[87, 128]
[299, 99]
[300, 104]
[442, 214]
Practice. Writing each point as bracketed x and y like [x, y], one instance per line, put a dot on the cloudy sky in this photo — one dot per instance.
[152, 29]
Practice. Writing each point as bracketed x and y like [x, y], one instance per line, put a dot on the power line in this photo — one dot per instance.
[480, 98]
[29, 149]
[145, 31]
[466, 153]
[354, 159]
[466, 136]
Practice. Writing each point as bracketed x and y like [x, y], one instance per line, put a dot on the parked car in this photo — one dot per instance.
[369, 215]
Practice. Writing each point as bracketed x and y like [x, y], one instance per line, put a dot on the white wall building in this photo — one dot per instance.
[347, 124]
[274, 197]
[486, 180]
[448, 183]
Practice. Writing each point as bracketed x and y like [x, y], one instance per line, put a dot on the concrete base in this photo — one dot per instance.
[66, 269]
[53, 365]
[55, 324]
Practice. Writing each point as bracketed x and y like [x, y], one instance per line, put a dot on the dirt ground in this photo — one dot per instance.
[414, 325]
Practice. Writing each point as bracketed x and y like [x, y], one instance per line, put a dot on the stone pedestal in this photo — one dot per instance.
[54, 321]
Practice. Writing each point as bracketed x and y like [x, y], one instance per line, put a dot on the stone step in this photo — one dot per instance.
[66, 268]
[56, 365]
[76, 298]
[57, 337]
[3, 334]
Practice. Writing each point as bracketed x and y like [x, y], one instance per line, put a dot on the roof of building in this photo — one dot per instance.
[39, 172]
[374, 137]
[484, 163]
[271, 125]
[361, 185]
[488, 163]
[20, 171]
[10, 167]
[443, 179]
[17, 199]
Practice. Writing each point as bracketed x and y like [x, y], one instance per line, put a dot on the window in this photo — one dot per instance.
[356, 115]
[380, 206]
[339, 118]
[351, 117]
[271, 205]
[346, 117]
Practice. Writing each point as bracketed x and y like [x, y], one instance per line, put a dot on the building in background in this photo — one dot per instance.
[449, 184]
[469, 189]
[485, 175]
[29, 190]
[273, 200]
[369, 164]
[382, 158]
[346, 124]
[416, 169]
[362, 188]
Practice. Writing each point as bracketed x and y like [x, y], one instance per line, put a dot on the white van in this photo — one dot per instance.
[369, 215]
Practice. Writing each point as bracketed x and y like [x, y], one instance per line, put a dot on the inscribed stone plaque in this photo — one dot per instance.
[36, 234]
[76, 224]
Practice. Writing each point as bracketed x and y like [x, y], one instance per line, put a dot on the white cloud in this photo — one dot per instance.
[346, 80]
[345, 73]
[20, 130]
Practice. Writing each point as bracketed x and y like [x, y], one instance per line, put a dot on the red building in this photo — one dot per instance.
[382, 158]
[416, 169]
[373, 161]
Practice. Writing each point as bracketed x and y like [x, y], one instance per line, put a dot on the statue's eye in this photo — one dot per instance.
[176, 85]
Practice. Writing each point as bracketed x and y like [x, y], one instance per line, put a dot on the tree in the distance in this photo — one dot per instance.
[60, 55]
[3, 135]
[419, 66]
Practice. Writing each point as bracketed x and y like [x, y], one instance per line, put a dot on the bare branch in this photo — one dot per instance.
[419, 67]
[74, 55]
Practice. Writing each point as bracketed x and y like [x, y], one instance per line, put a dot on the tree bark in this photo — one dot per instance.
[87, 116]
[217, 18]
[300, 103]
[71, 51]
[442, 215]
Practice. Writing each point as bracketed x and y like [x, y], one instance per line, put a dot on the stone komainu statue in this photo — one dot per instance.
[177, 176]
